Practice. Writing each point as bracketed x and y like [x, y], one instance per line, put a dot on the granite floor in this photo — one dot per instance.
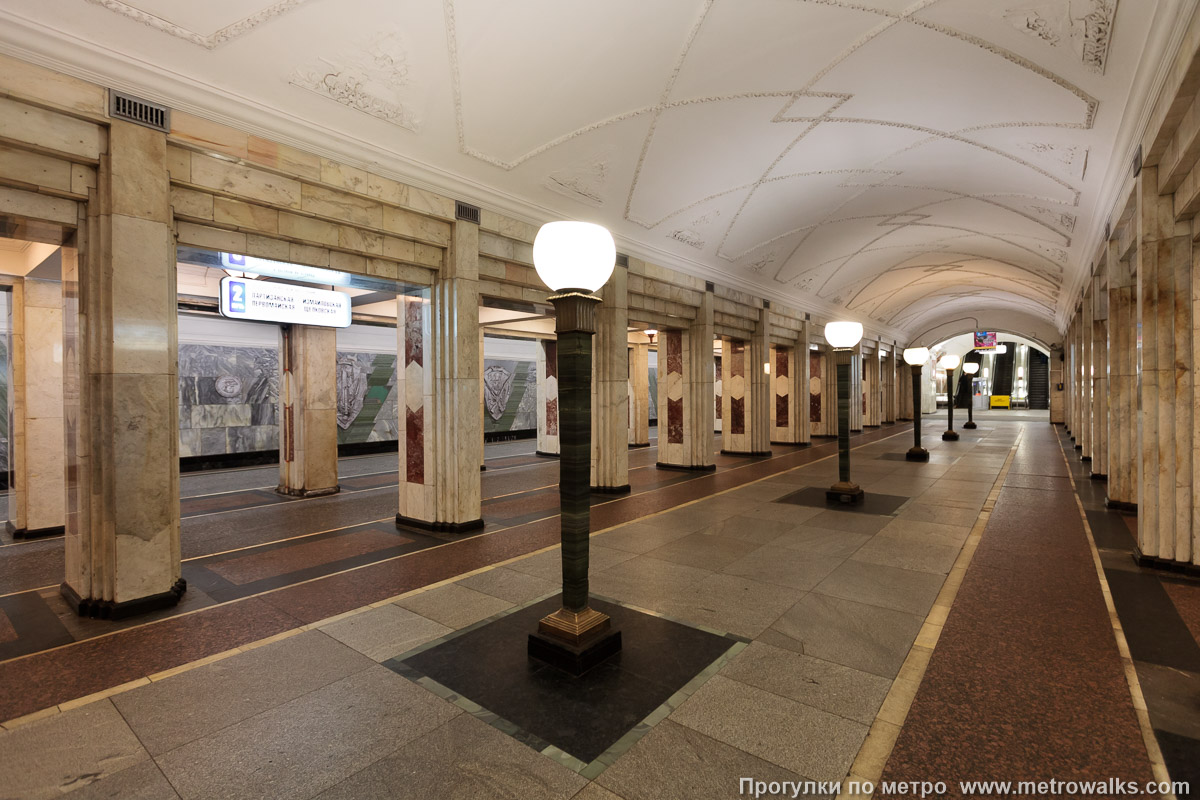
[838, 617]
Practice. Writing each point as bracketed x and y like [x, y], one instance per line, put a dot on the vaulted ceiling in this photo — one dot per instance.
[906, 163]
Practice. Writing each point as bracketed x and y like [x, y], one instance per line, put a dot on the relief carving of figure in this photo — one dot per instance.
[351, 390]
[497, 387]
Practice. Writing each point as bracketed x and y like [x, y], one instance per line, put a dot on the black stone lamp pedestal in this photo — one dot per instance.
[970, 423]
[916, 452]
[576, 637]
[950, 435]
[845, 491]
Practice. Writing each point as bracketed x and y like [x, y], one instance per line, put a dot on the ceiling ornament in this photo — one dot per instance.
[584, 182]
[211, 41]
[1083, 25]
[370, 78]
[1070, 158]
[693, 235]
[1061, 219]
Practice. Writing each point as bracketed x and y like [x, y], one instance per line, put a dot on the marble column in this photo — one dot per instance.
[1085, 377]
[1122, 351]
[547, 397]
[873, 387]
[785, 427]
[718, 395]
[829, 393]
[1179, 378]
[685, 393]
[639, 395]
[858, 400]
[742, 410]
[1100, 390]
[37, 499]
[700, 386]
[816, 386]
[1058, 410]
[889, 386]
[437, 335]
[760, 392]
[610, 388]
[120, 387]
[308, 465]
[800, 400]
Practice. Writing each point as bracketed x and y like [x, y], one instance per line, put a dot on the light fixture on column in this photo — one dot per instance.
[767, 367]
[970, 368]
[574, 259]
[650, 334]
[949, 362]
[916, 357]
[842, 337]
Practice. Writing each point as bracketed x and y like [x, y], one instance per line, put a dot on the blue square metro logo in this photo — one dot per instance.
[237, 297]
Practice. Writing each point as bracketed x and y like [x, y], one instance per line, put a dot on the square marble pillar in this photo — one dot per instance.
[1100, 390]
[547, 397]
[1084, 334]
[801, 401]
[1122, 346]
[760, 397]
[439, 380]
[639, 395]
[37, 459]
[308, 459]
[702, 410]
[686, 407]
[121, 387]
[785, 422]
[858, 399]
[718, 393]
[610, 387]
[739, 363]
[1058, 407]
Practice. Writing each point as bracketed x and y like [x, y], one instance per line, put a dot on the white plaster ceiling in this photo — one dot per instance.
[899, 162]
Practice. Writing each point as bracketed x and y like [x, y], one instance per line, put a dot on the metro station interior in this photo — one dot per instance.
[626, 401]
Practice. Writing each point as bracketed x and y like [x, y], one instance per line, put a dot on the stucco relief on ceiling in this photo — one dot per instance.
[209, 41]
[370, 77]
[1084, 25]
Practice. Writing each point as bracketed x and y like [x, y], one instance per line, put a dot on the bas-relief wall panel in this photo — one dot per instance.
[509, 395]
[229, 395]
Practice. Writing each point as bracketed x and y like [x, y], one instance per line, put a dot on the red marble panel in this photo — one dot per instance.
[737, 359]
[737, 413]
[414, 450]
[674, 342]
[552, 416]
[781, 362]
[414, 336]
[551, 359]
[814, 398]
[718, 399]
[781, 410]
[675, 421]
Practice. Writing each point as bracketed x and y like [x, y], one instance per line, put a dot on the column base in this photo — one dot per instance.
[1098, 476]
[950, 436]
[34, 533]
[639, 444]
[686, 467]
[1119, 505]
[1085, 458]
[574, 659]
[610, 489]
[970, 425]
[307, 492]
[1078, 446]
[747, 453]
[544, 454]
[870, 426]
[1165, 564]
[440, 527]
[916, 454]
[107, 609]
[844, 494]
[791, 444]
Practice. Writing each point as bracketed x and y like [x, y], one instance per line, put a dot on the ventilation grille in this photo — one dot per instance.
[466, 212]
[766, 304]
[622, 260]
[141, 112]
[708, 286]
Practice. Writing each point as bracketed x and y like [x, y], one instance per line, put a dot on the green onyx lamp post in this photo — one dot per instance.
[842, 337]
[969, 370]
[916, 357]
[949, 362]
[574, 259]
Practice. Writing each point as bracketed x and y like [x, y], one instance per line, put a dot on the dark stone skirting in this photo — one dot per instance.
[1165, 564]
[647, 444]
[792, 444]
[107, 609]
[1119, 505]
[34, 533]
[610, 489]
[750, 454]
[544, 454]
[439, 527]
[307, 492]
[683, 468]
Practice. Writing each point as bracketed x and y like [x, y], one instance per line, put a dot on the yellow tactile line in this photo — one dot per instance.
[1157, 764]
[881, 739]
[68, 705]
